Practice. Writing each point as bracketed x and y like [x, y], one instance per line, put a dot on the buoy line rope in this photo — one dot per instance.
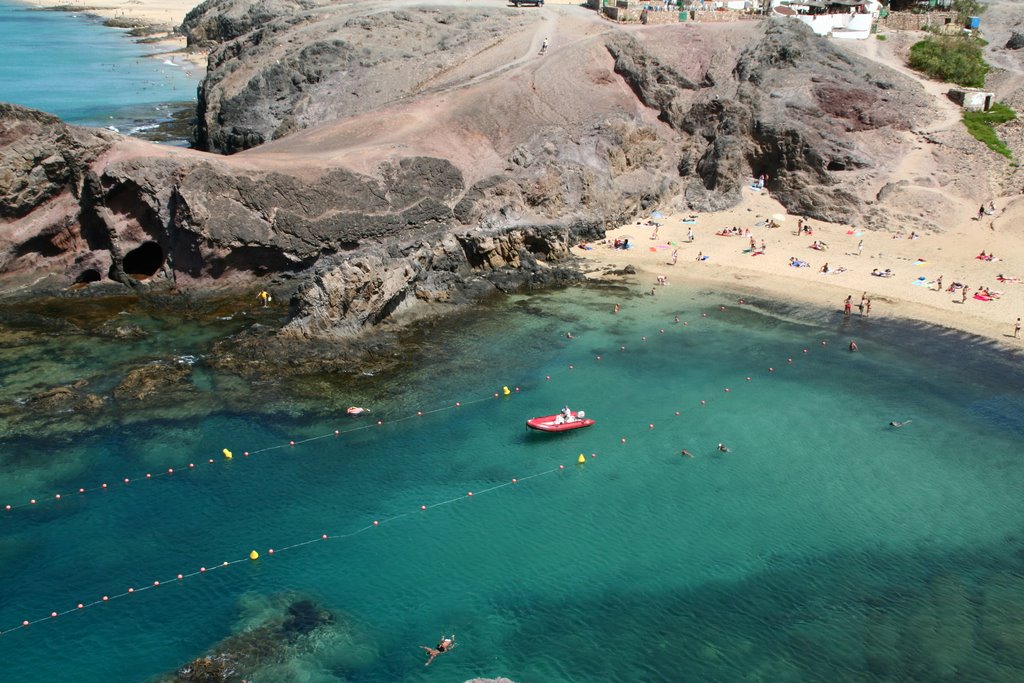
[106, 486]
[339, 536]
[254, 555]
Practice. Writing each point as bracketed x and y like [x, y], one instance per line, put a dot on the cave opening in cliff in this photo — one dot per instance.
[88, 275]
[144, 260]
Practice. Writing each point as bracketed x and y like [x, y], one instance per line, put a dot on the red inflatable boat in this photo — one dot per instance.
[558, 423]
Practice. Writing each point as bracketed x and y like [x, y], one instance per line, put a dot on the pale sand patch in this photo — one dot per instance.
[157, 12]
[950, 254]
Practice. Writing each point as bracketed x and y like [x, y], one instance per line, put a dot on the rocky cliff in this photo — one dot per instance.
[393, 159]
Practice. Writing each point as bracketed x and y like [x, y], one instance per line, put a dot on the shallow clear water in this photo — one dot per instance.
[824, 546]
[70, 65]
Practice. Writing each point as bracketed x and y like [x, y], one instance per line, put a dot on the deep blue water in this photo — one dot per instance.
[70, 65]
[825, 545]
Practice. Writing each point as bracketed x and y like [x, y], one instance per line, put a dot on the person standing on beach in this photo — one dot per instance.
[938, 284]
[860, 248]
[675, 256]
[689, 234]
[1016, 329]
[963, 295]
[847, 306]
[799, 226]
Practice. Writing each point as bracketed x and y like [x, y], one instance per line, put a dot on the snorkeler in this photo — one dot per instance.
[894, 423]
[722, 447]
[446, 644]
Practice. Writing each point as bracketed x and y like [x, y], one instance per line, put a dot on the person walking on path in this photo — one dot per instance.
[264, 297]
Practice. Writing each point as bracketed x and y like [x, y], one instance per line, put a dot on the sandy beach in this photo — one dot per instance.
[157, 12]
[916, 264]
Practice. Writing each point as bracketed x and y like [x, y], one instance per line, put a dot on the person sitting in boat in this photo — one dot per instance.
[446, 644]
[566, 415]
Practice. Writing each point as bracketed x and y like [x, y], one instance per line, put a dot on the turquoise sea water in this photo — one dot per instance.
[824, 546]
[70, 65]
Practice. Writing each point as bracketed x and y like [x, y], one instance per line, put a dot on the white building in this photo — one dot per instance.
[843, 19]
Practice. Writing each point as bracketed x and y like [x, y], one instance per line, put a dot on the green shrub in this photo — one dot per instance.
[950, 58]
[880, 36]
[980, 125]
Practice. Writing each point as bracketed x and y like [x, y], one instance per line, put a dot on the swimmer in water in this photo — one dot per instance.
[687, 453]
[446, 644]
[894, 423]
[722, 447]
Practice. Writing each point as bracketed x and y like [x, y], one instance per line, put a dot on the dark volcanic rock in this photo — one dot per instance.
[41, 157]
[1016, 41]
[776, 123]
[145, 382]
[218, 21]
[242, 656]
[282, 67]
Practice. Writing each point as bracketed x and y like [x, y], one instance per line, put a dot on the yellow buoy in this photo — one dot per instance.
[505, 390]
[227, 454]
[254, 555]
[582, 459]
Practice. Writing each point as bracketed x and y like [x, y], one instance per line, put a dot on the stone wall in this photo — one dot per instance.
[715, 15]
[913, 21]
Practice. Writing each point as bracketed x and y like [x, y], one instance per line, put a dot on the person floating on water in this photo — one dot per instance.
[687, 453]
[895, 423]
[853, 345]
[722, 447]
[446, 644]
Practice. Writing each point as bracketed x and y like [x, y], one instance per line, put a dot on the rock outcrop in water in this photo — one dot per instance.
[249, 653]
[377, 185]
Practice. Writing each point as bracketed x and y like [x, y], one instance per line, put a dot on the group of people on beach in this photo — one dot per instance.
[864, 306]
